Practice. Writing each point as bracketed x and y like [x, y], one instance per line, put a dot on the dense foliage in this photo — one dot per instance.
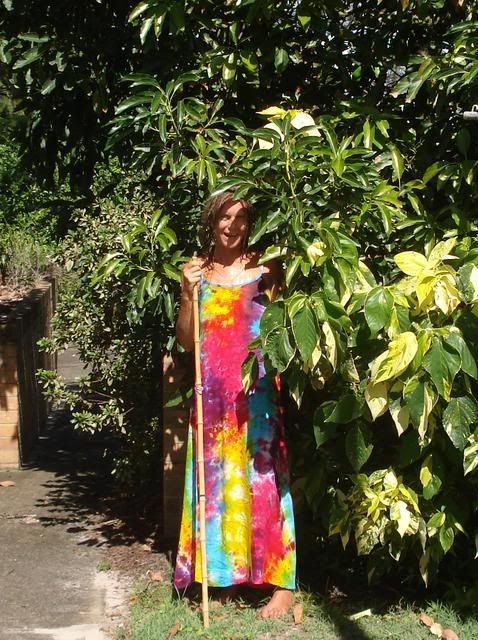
[362, 174]
[117, 324]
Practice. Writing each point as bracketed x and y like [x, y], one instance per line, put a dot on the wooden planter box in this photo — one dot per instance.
[23, 409]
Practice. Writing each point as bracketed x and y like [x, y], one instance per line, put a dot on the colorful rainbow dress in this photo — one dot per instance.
[249, 515]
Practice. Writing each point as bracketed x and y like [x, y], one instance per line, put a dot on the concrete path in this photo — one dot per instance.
[51, 540]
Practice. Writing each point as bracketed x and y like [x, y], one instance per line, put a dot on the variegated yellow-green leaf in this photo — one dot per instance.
[425, 473]
[410, 495]
[400, 415]
[431, 474]
[397, 162]
[390, 480]
[400, 513]
[302, 119]
[411, 262]
[441, 251]
[400, 353]
[470, 458]
[229, 68]
[425, 289]
[268, 144]
[447, 297]
[376, 397]
[331, 344]
[474, 281]
[273, 111]
[423, 565]
[316, 252]
[428, 403]
[138, 10]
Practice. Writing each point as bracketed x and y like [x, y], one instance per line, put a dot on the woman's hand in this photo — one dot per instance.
[190, 276]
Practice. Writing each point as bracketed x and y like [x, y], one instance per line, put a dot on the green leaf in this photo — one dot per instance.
[399, 513]
[431, 474]
[459, 414]
[48, 86]
[338, 164]
[145, 29]
[400, 353]
[414, 397]
[229, 68]
[249, 371]
[31, 56]
[324, 430]
[468, 363]
[358, 446]
[272, 253]
[410, 450]
[296, 382]
[266, 223]
[281, 59]
[140, 291]
[442, 363]
[397, 162]
[133, 101]
[138, 10]
[436, 521]
[272, 319]
[463, 140]
[292, 269]
[346, 409]
[304, 21]
[279, 349]
[378, 308]
[170, 271]
[376, 397]
[447, 537]
[432, 171]
[304, 328]
[180, 396]
[470, 457]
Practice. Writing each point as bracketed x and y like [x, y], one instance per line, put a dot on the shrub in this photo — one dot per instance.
[120, 315]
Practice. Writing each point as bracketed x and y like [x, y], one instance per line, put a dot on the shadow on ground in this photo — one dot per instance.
[81, 491]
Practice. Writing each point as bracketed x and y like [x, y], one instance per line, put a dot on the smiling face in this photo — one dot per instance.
[231, 226]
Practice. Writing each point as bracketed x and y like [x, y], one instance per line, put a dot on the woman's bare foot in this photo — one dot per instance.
[280, 603]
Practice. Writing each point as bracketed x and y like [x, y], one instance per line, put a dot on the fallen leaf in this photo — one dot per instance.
[426, 619]
[7, 483]
[436, 629]
[174, 629]
[449, 634]
[298, 613]
[361, 614]
[156, 576]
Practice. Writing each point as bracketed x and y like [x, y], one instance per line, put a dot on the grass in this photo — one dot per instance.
[103, 565]
[155, 615]
[24, 257]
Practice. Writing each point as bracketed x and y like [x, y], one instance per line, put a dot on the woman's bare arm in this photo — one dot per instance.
[191, 275]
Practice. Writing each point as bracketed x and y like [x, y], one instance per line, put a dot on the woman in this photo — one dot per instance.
[249, 517]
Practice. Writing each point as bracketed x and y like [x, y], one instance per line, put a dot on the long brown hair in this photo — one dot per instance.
[211, 212]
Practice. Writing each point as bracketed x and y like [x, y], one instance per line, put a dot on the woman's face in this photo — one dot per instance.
[231, 226]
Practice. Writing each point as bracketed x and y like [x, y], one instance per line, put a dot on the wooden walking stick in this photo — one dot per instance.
[200, 457]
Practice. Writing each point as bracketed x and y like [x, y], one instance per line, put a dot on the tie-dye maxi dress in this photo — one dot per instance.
[249, 516]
